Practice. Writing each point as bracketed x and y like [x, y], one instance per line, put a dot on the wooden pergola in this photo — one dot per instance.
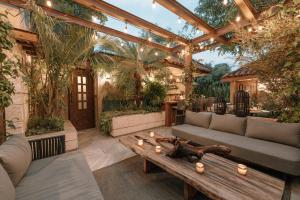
[189, 47]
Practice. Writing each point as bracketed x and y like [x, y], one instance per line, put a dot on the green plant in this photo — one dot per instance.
[37, 125]
[8, 71]
[63, 46]
[211, 85]
[272, 50]
[154, 95]
[131, 65]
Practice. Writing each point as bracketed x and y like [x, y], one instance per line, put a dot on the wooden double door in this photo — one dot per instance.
[81, 100]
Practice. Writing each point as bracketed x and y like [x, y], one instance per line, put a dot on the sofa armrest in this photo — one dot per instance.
[44, 146]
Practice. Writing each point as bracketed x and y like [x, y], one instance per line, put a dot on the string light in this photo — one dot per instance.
[149, 37]
[126, 28]
[179, 20]
[225, 2]
[238, 18]
[249, 29]
[122, 44]
[156, 53]
[197, 31]
[201, 47]
[168, 45]
[141, 49]
[212, 39]
[260, 28]
[49, 3]
[153, 4]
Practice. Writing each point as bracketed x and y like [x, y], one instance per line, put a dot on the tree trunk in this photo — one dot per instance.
[138, 88]
[2, 126]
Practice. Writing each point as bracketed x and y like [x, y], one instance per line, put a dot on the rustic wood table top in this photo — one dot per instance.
[220, 179]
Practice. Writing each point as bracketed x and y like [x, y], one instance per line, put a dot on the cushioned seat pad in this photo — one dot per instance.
[277, 156]
[61, 177]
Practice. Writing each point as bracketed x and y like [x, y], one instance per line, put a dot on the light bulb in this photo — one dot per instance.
[249, 29]
[179, 20]
[201, 47]
[197, 31]
[150, 39]
[122, 44]
[126, 28]
[141, 49]
[49, 3]
[153, 4]
[225, 2]
[168, 45]
[156, 53]
[212, 39]
[260, 28]
[238, 18]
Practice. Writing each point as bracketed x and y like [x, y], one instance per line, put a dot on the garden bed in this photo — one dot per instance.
[122, 123]
[71, 139]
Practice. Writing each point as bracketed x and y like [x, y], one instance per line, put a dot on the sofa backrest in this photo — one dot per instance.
[15, 157]
[201, 119]
[228, 123]
[283, 133]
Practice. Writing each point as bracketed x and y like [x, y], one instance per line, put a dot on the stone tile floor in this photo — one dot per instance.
[102, 150]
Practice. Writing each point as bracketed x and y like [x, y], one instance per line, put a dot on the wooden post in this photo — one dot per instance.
[189, 192]
[2, 126]
[148, 166]
[188, 66]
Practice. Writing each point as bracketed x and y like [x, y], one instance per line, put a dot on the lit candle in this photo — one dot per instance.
[140, 142]
[151, 134]
[242, 169]
[199, 167]
[158, 149]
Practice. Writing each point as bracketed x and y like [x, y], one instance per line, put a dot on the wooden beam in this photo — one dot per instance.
[205, 48]
[246, 9]
[190, 17]
[24, 35]
[120, 14]
[76, 20]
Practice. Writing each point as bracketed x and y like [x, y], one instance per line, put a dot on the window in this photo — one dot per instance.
[82, 92]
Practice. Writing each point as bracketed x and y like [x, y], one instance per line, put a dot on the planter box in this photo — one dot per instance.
[125, 124]
[71, 139]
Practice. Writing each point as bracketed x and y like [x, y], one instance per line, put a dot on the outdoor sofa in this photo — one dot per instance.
[60, 177]
[257, 140]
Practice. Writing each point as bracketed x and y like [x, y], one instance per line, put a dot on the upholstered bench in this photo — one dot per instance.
[60, 177]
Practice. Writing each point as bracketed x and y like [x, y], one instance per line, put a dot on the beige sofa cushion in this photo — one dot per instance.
[201, 119]
[283, 133]
[15, 157]
[228, 123]
[7, 189]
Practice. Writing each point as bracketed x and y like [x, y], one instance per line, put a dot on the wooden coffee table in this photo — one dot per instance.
[220, 179]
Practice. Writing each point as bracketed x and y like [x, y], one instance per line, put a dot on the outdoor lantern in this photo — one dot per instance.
[220, 106]
[242, 102]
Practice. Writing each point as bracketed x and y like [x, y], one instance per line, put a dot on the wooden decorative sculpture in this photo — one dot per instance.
[182, 148]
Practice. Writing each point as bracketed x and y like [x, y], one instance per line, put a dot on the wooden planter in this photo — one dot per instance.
[126, 124]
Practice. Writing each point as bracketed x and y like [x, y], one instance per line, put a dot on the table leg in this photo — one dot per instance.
[189, 192]
[148, 166]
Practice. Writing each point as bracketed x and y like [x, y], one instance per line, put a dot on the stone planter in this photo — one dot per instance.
[126, 124]
[71, 139]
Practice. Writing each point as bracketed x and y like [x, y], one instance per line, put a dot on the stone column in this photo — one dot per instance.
[188, 68]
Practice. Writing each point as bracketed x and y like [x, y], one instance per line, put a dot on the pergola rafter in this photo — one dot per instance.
[120, 14]
[91, 25]
[246, 9]
[190, 17]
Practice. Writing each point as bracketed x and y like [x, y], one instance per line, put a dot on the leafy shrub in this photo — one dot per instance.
[38, 125]
[154, 95]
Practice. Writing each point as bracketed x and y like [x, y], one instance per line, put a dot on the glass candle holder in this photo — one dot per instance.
[158, 149]
[151, 133]
[200, 167]
[242, 169]
[140, 142]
